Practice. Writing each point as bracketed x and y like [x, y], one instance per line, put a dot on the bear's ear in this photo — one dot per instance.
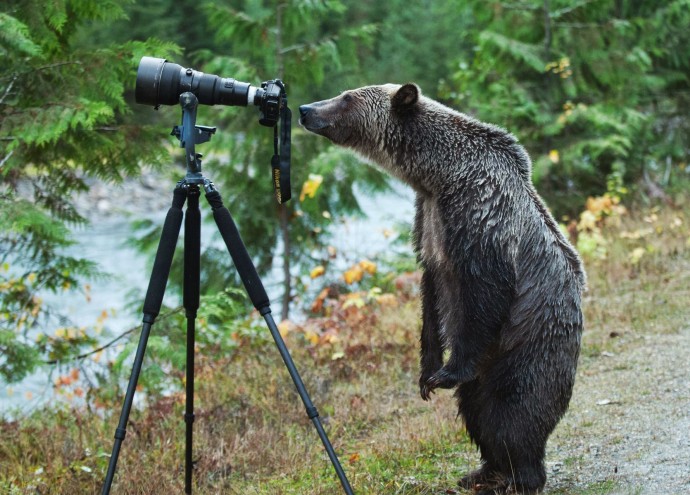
[406, 96]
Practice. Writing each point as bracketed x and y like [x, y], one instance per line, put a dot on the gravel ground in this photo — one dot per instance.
[628, 427]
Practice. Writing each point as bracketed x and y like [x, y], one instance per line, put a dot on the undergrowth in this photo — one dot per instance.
[359, 363]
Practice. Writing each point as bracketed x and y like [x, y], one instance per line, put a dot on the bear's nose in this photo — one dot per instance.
[304, 110]
[304, 114]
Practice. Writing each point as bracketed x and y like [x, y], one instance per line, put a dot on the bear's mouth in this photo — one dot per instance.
[313, 126]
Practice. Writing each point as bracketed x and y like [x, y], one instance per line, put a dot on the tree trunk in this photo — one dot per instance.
[548, 77]
[547, 30]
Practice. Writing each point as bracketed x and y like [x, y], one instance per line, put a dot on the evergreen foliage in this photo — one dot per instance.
[596, 90]
[294, 41]
[64, 120]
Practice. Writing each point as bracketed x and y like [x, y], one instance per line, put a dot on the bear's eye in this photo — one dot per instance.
[348, 98]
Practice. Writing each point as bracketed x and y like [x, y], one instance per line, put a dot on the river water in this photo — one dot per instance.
[104, 242]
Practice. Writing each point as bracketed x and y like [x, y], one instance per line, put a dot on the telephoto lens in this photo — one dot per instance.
[160, 82]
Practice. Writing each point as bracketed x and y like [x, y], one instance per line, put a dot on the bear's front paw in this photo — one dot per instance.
[446, 378]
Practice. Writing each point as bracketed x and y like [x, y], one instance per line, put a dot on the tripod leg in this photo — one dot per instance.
[152, 306]
[192, 255]
[259, 298]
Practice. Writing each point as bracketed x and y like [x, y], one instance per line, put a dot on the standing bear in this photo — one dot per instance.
[501, 285]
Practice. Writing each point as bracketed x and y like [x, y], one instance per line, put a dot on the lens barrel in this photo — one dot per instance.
[160, 82]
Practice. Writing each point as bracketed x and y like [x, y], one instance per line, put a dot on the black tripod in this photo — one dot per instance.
[188, 190]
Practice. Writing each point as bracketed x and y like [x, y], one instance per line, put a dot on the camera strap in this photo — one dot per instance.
[281, 148]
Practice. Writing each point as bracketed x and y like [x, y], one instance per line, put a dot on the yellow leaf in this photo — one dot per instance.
[368, 266]
[310, 186]
[317, 271]
[588, 221]
[554, 156]
[374, 293]
[337, 355]
[353, 275]
[285, 327]
[355, 299]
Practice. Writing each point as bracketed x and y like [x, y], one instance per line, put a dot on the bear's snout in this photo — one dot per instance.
[311, 118]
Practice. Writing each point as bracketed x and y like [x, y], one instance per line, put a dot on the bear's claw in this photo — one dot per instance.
[425, 391]
[443, 378]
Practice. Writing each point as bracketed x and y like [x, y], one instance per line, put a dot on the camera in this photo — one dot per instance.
[160, 82]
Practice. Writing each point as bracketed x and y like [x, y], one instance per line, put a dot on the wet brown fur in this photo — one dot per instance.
[501, 285]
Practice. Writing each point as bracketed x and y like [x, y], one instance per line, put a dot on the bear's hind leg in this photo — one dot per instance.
[518, 414]
[516, 445]
[522, 479]
[470, 409]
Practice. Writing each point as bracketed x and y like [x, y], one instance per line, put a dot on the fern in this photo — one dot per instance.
[523, 52]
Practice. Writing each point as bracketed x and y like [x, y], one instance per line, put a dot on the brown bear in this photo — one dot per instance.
[501, 285]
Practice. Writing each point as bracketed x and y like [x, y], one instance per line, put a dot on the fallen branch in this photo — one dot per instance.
[112, 342]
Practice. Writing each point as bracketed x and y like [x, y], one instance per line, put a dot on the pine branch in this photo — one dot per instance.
[53, 66]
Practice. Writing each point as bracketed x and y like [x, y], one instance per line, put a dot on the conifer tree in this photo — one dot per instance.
[597, 91]
[64, 120]
[295, 41]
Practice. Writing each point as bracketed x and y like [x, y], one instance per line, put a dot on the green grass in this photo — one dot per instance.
[598, 488]
[252, 435]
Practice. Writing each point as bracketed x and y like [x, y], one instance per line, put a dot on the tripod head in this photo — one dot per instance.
[189, 134]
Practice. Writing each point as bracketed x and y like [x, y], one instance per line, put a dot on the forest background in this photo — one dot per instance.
[596, 90]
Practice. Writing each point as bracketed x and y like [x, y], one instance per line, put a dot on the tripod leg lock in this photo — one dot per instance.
[120, 434]
[189, 418]
[312, 412]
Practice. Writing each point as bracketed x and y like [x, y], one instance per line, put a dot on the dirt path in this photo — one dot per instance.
[628, 428]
